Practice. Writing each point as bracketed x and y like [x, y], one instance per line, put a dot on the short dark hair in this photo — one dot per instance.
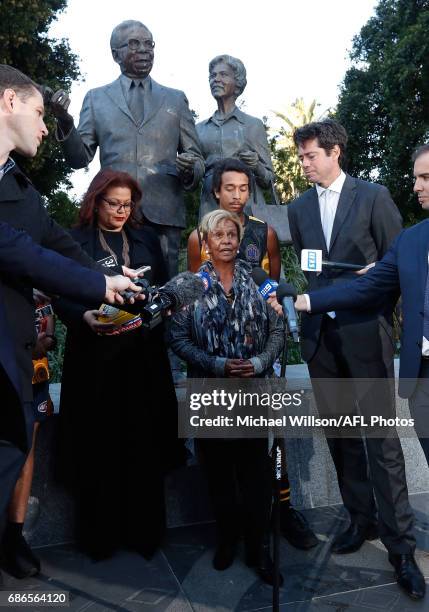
[101, 182]
[328, 133]
[11, 78]
[420, 151]
[229, 164]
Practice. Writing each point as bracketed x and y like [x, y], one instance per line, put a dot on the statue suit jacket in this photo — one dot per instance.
[147, 151]
[404, 267]
[365, 224]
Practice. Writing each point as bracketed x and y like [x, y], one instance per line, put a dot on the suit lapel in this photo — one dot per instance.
[313, 210]
[115, 93]
[347, 197]
[423, 249]
[154, 97]
[10, 190]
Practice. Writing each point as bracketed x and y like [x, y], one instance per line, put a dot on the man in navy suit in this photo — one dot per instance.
[21, 260]
[24, 264]
[354, 221]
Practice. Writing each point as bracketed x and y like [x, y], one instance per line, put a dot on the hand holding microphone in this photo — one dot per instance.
[280, 297]
[286, 295]
[119, 287]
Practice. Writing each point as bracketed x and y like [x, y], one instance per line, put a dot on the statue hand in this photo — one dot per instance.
[185, 163]
[248, 157]
[59, 105]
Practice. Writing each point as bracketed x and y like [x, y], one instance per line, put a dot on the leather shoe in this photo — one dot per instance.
[295, 528]
[408, 575]
[263, 565]
[18, 558]
[352, 539]
[224, 555]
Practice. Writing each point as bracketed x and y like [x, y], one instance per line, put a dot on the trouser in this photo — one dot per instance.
[239, 471]
[169, 238]
[375, 465]
[419, 407]
[12, 460]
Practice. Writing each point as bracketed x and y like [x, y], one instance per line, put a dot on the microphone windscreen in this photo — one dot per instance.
[285, 290]
[184, 289]
[259, 276]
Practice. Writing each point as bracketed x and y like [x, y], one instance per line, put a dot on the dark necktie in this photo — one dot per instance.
[136, 101]
[426, 310]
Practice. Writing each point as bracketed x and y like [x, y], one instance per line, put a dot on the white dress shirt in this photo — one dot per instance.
[328, 204]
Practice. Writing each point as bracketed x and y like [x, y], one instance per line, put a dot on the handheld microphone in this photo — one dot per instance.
[185, 288]
[311, 261]
[286, 295]
[265, 284]
[182, 290]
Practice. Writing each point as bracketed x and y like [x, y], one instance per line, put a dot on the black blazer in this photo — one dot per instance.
[144, 248]
[366, 222]
[21, 206]
[22, 264]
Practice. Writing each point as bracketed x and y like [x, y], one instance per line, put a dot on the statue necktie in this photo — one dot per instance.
[136, 101]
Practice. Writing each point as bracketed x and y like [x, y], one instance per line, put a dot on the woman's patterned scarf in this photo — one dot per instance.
[237, 330]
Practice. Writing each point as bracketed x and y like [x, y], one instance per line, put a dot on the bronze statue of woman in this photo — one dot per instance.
[231, 133]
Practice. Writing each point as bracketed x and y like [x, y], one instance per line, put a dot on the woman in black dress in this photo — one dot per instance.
[118, 411]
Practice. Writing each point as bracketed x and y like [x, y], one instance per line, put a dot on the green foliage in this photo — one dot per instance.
[290, 180]
[62, 209]
[25, 44]
[56, 357]
[384, 101]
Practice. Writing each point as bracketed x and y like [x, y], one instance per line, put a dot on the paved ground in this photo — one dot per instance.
[180, 578]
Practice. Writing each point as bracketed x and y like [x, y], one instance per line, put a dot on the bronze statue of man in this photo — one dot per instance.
[231, 133]
[142, 128]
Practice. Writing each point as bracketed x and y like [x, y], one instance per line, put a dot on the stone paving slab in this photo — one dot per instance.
[314, 579]
[181, 577]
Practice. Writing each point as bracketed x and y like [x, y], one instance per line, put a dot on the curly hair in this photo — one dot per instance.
[328, 134]
[236, 66]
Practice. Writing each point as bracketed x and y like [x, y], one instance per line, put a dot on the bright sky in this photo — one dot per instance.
[290, 49]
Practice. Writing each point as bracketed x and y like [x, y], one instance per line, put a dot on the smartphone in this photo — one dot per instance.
[142, 270]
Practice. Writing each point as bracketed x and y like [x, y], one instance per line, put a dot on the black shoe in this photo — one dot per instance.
[352, 539]
[295, 528]
[263, 565]
[408, 575]
[18, 558]
[224, 555]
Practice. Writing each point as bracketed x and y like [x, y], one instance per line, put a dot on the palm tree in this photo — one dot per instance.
[290, 178]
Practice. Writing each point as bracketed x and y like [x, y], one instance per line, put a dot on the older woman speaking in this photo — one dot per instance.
[231, 332]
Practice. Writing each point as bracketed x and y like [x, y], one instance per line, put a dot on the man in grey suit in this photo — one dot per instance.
[142, 128]
[353, 221]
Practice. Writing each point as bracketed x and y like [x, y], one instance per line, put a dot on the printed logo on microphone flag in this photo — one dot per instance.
[311, 260]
